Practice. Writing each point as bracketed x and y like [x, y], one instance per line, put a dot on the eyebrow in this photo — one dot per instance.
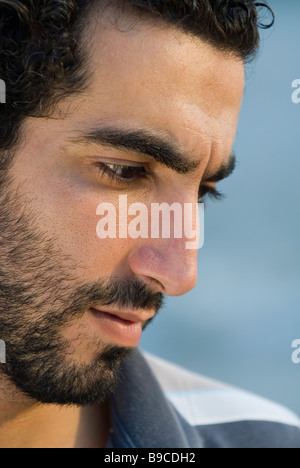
[158, 148]
[224, 171]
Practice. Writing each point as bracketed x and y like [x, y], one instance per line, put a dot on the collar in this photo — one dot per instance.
[141, 415]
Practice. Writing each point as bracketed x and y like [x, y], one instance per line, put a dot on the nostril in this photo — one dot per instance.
[157, 283]
[154, 282]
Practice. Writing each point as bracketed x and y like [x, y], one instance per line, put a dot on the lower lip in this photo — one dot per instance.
[119, 331]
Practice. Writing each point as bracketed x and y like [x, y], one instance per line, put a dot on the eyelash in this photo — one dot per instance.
[211, 192]
[104, 169]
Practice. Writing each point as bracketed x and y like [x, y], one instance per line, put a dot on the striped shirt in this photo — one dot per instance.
[160, 405]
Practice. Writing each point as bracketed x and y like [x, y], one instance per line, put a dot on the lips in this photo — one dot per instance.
[120, 328]
[127, 316]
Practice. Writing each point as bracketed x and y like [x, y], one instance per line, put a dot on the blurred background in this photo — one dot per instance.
[238, 325]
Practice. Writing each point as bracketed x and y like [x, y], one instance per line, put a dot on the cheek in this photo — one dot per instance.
[79, 240]
[73, 223]
[65, 212]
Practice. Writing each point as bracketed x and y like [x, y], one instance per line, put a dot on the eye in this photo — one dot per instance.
[126, 175]
[212, 192]
[122, 173]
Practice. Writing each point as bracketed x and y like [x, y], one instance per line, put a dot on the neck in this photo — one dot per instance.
[26, 423]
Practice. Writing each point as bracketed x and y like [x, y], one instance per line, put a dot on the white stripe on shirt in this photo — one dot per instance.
[219, 406]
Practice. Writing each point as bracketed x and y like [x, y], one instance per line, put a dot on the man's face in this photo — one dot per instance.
[157, 84]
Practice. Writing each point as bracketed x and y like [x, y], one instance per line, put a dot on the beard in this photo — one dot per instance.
[40, 300]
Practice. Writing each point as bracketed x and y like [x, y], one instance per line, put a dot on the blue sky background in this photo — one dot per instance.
[238, 324]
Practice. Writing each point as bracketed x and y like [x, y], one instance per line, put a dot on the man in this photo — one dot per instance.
[138, 98]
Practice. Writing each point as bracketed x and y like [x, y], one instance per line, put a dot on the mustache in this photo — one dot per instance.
[127, 293]
[124, 293]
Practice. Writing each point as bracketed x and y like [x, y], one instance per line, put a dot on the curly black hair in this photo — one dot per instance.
[43, 59]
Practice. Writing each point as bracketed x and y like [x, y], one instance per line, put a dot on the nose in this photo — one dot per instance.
[168, 266]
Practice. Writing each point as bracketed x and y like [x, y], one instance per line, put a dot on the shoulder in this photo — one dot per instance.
[224, 415]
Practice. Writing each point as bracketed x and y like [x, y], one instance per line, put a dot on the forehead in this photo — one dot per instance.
[138, 55]
[157, 77]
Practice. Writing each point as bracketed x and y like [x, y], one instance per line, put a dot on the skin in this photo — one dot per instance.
[144, 77]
